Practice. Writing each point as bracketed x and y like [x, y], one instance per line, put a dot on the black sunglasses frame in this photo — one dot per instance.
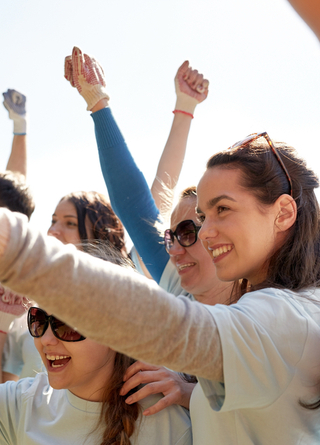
[264, 134]
[49, 319]
[169, 235]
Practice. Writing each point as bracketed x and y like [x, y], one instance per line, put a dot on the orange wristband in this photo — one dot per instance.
[183, 112]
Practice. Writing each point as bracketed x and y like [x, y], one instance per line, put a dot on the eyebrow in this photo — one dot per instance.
[66, 216]
[214, 201]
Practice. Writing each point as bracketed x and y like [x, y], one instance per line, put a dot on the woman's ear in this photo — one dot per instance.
[287, 212]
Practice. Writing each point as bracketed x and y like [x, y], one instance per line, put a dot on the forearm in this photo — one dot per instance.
[18, 158]
[129, 193]
[171, 161]
[134, 316]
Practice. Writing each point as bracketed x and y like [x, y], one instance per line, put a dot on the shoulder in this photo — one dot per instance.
[261, 305]
[171, 426]
[25, 389]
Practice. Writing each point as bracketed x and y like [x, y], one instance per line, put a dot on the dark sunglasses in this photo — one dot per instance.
[253, 137]
[186, 233]
[39, 320]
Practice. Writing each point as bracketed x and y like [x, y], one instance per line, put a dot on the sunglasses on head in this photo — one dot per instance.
[186, 234]
[38, 323]
[253, 137]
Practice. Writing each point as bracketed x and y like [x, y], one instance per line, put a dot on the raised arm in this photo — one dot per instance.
[15, 103]
[191, 89]
[128, 190]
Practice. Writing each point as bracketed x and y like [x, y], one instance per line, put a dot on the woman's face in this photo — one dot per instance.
[83, 367]
[239, 233]
[64, 225]
[193, 264]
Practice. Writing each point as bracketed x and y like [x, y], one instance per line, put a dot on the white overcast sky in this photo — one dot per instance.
[262, 61]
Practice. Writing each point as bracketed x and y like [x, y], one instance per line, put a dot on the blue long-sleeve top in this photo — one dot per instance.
[129, 193]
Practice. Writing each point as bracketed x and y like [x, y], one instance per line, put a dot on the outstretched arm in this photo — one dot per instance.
[110, 304]
[191, 89]
[15, 103]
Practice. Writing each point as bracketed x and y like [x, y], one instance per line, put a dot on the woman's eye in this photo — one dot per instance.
[71, 224]
[53, 221]
[221, 209]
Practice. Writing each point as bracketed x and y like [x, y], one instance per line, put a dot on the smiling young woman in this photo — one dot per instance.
[78, 399]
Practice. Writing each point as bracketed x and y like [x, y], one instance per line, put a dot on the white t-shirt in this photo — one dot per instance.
[271, 359]
[33, 413]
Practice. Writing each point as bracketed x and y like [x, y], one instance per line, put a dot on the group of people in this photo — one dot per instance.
[215, 339]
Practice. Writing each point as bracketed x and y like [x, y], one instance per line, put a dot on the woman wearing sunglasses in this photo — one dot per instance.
[257, 360]
[78, 400]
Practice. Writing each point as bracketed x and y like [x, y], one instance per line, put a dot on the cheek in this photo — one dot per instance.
[200, 252]
[38, 345]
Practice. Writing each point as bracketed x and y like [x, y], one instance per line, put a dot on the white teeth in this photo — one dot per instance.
[56, 366]
[221, 250]
[183, 266]
[56, 357]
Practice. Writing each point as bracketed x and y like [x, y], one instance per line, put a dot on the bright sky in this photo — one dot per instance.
[262, 61]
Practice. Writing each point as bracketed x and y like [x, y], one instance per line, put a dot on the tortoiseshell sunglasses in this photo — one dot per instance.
[265, 135]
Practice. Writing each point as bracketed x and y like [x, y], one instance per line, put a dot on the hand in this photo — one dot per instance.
[11, 306]
[191, 88]
[86, 74]
[15, 103]
[157, 380]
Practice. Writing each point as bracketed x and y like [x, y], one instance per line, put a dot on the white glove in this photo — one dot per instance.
[15, 103]
[86, 74]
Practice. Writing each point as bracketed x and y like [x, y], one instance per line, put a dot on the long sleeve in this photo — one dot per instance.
[129, 193]
[108, 303]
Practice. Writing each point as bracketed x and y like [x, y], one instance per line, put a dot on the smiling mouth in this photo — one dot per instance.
[220, 251]
[184, 266]
[58, 361]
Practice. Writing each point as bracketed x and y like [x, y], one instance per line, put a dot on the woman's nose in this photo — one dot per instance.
[176, 248]
[54, 230]
[48, 338]
[208, 230]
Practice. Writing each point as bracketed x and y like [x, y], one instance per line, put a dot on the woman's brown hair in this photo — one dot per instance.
[295, 265]
[106, 226]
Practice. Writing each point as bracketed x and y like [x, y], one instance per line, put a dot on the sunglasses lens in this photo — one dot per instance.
[244, 141]
[168, 239]
[186, 233]
[64, 332]
[36, 322]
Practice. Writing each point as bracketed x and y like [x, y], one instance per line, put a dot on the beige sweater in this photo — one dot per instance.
[107, 303]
